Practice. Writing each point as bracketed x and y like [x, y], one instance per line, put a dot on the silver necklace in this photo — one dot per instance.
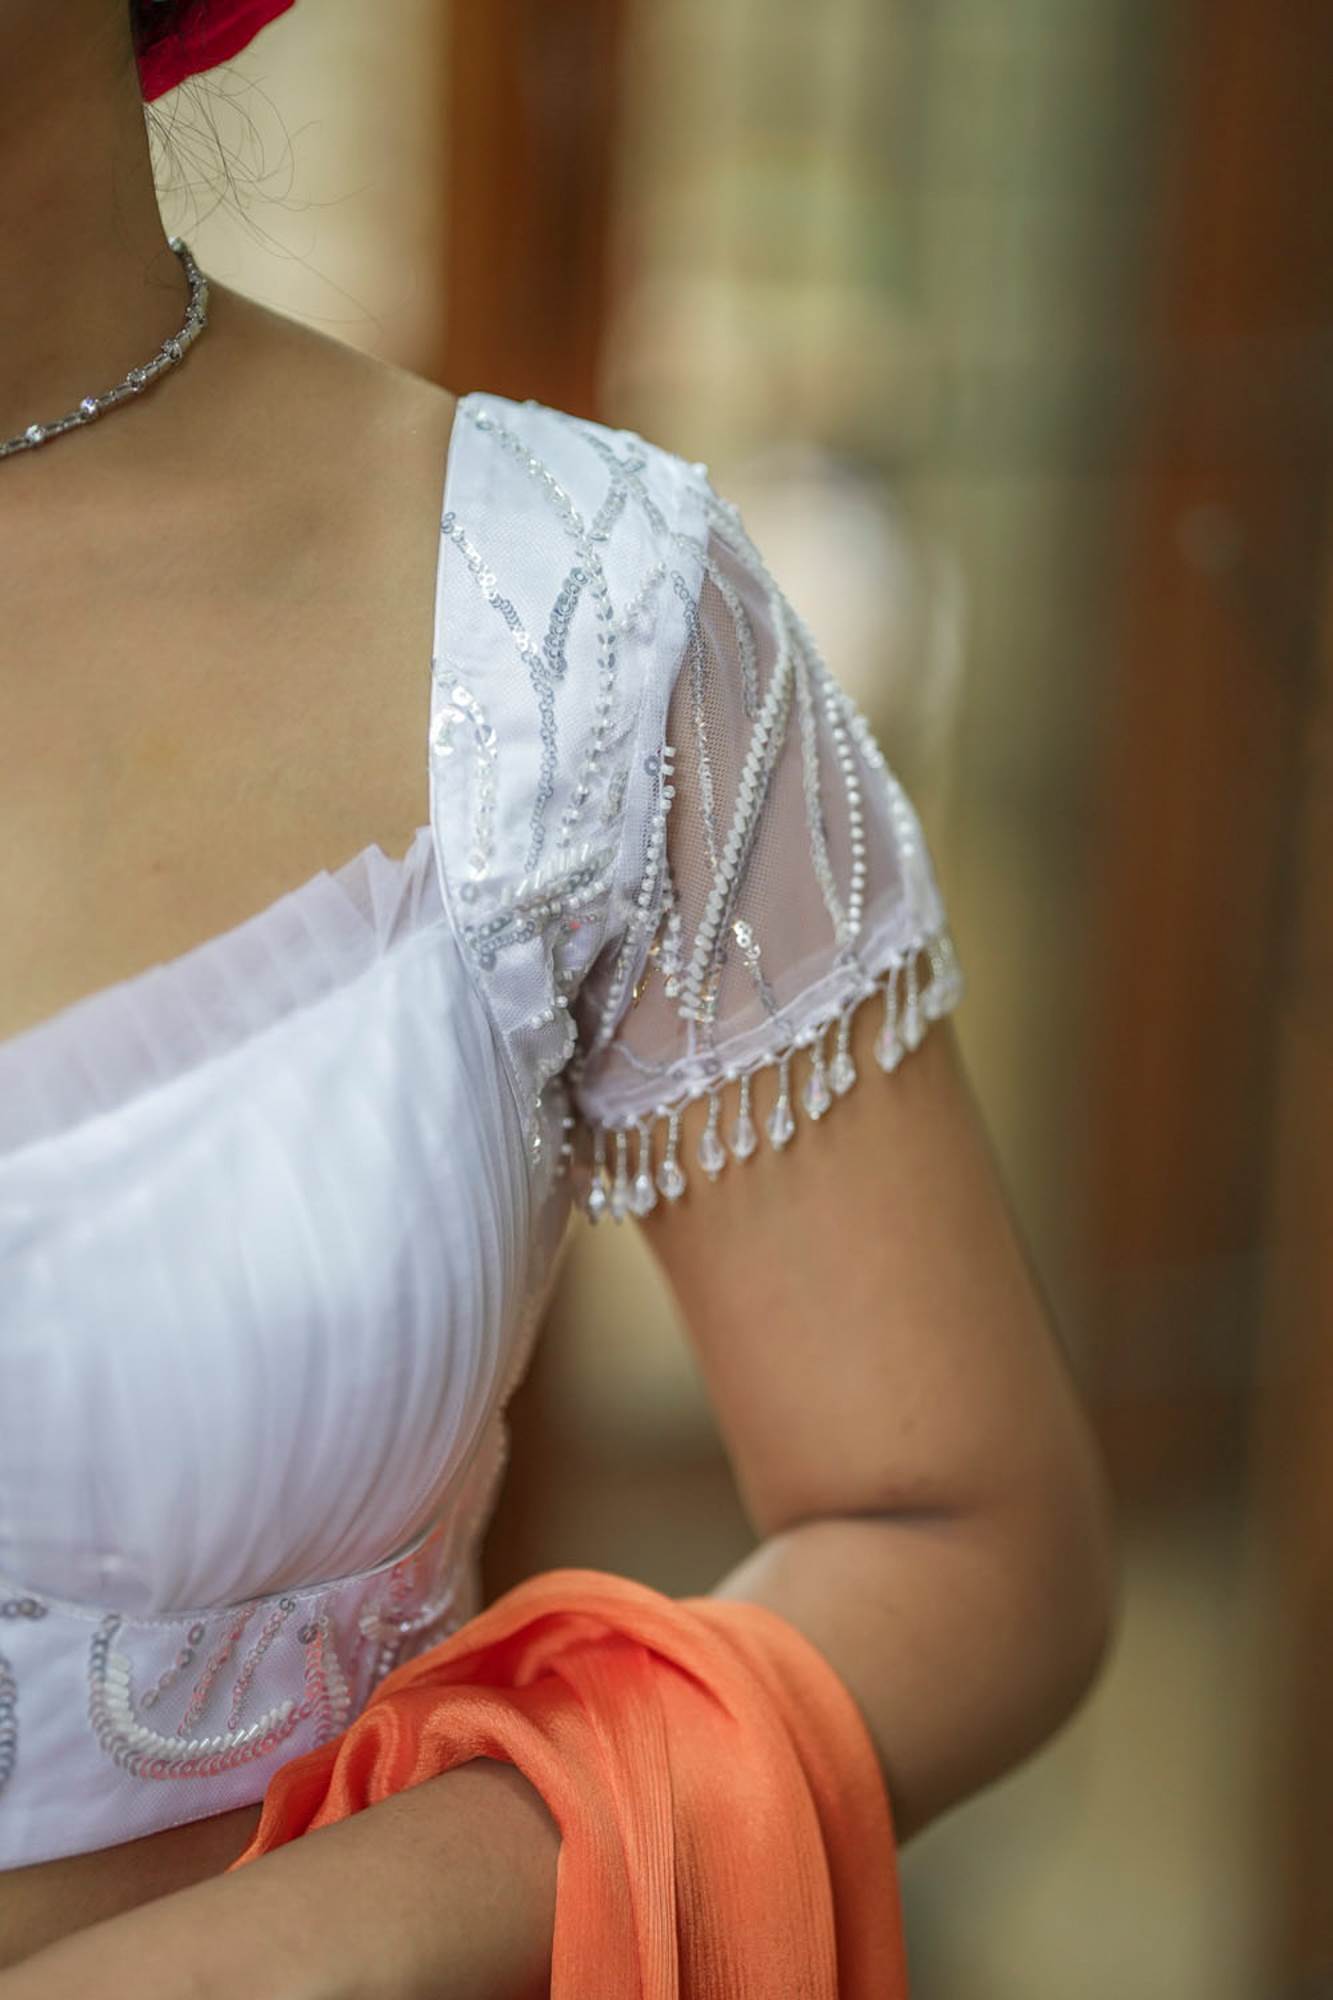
[168, 355]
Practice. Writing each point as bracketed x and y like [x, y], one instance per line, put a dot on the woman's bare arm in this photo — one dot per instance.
[446, 1889]
[902, 1422]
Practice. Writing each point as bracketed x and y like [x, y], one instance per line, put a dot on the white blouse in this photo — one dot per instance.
[278, 1218]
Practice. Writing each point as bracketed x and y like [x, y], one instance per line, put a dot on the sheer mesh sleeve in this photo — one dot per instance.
[780, 878]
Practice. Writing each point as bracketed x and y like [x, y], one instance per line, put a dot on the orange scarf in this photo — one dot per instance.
[725, 1829]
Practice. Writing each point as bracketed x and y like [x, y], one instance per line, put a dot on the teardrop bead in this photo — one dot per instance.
[744, 1138]
[781, 1124]
[913, 1026]
[671, 1175]
[595, 1201]
[643, 1192]
[712, 1153]
[842, 1072]
[888, 1049]
[620, 1185]
[816, 1096]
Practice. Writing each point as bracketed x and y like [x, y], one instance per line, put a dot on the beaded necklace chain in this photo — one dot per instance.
[169, 355]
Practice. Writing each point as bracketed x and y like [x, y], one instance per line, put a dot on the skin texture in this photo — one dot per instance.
[902, 1421]
[234, 696]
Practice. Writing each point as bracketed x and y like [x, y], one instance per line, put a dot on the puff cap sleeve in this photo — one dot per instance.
[772, 876]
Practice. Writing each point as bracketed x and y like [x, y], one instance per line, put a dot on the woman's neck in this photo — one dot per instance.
[89, 286]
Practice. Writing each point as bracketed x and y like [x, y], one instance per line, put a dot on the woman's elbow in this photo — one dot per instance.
[1027, 1631]
[1066, 1576]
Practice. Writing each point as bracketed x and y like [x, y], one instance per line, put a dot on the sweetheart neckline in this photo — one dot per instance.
[45, 1046]
[178, 963]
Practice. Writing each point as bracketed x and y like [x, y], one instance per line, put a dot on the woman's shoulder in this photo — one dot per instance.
[586, 475]
[327, 401]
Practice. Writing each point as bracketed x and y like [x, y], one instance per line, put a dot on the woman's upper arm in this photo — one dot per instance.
[768, 1079]
[866, 1318]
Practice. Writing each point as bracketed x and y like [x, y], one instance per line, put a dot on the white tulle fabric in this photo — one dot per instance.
[278, 1218]
[779, 878]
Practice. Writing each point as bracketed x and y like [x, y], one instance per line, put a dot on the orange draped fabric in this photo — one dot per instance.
[725, 1829]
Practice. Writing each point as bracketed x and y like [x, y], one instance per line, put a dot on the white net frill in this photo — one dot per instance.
[780, 879]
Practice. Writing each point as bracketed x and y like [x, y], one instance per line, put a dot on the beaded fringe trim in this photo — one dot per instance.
[610, 1188]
